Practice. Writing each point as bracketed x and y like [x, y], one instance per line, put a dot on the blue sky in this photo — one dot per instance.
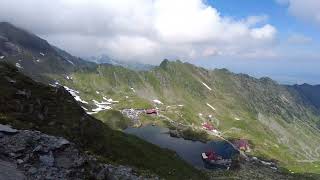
[277, 13]
[300, 67]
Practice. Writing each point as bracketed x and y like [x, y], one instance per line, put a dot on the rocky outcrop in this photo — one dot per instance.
[26, 154]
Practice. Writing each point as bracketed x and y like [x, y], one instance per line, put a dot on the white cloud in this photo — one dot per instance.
[254, 20]
[299, 39]
[140, 29]
[307, 10]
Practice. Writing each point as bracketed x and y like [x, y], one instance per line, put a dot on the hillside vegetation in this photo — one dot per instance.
[25, 104]
[281, 123]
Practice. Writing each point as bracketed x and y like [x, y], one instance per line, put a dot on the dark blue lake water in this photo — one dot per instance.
[188, 150]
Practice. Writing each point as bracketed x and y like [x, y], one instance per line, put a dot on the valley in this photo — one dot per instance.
[94, 105]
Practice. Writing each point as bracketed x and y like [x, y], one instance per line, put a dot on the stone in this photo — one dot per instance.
[61, 142]
[9, 171]
[36, 149]
[32, 170]
[41, 156]
[47, 160]
[6, 129]
[19, 161]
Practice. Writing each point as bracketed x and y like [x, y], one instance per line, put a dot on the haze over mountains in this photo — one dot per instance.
[282, 122]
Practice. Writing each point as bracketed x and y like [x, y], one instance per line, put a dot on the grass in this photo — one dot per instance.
[114, 119]
[232, 96]
[65, 118]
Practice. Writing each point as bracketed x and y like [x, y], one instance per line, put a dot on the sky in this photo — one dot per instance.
[276, 38]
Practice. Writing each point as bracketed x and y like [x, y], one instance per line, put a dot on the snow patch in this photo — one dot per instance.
[157, 101]
[70, 62]
[18, 65]
[69, 77]
[38, 60]
[211, 106]
[133, 89]
[97, 92]
[1, 57]
[101, 106]
[206, 86]
[180, 105]
[75, 95]
[10, 80]
[237, 119]
[84, 108]
[110, 100]
[42, 54]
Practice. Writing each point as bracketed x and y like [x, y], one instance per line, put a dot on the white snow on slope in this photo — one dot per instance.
[1, 57]
[75, 93]
[69, 77]
[101, 106]
[70, 62]
[42, 54]
[109, 100]
[133, 89]
[211, 106]
[157, 101]
[84, 108]
[206, 86]
[19, 66]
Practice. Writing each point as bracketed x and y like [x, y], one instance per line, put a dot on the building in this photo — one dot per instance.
[151, 111]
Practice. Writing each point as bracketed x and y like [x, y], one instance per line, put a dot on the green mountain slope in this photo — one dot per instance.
[278, 120]
[309, 92]
[27, 104]
[281, 122]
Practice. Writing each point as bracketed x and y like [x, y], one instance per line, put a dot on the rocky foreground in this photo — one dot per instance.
[26, 154]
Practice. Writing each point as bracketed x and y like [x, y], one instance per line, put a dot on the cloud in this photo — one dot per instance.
[299, 39]
[307, 10]
[141, 30]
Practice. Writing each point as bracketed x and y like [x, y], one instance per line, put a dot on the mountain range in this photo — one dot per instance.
[105, 59]
[281, 122]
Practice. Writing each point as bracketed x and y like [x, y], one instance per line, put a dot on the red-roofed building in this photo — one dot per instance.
[242, 144]
[151, 111]
[208, 126]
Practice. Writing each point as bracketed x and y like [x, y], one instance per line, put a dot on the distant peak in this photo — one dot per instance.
[164, 63]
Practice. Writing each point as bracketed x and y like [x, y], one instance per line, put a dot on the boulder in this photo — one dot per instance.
[7, 129]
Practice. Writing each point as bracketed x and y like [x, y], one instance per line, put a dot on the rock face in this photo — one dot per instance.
[9, 171]
[7, 129]
[27, 154]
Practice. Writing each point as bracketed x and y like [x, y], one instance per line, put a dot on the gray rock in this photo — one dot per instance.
[19, 161]
[32, 170]
[7, 129]
[9, 171]
[42, 156]
[61, 142]
[47, 160]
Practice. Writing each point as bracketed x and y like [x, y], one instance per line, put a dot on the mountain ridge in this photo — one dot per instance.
[281, 122]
